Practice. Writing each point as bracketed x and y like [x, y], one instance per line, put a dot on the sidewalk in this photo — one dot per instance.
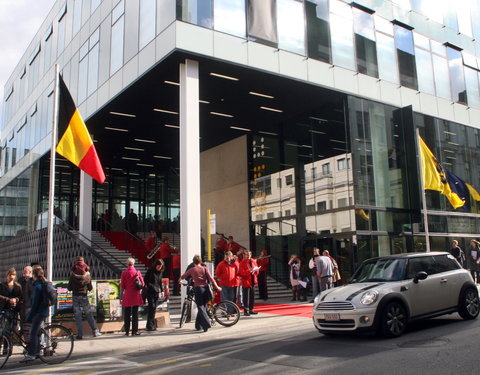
[117, 343]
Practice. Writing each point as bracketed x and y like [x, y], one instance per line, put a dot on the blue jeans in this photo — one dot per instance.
[229, 293]
[33, 346]
[315, 286]
[201, 299]
[81, 304]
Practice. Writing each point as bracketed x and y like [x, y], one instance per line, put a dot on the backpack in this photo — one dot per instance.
[49, 297]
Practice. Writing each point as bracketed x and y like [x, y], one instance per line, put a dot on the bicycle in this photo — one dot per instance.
[226, 313]
[56, 341]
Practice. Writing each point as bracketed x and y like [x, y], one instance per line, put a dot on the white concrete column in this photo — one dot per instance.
[85, 208]
[190, 215]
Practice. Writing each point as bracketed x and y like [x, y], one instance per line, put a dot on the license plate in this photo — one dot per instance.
[332, 317]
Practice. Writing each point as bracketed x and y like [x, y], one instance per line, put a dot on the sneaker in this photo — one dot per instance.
[253, 313]
[28, 358]
[78, 337]
[97, 333]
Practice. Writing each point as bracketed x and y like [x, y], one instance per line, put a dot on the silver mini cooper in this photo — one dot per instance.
[387, 293]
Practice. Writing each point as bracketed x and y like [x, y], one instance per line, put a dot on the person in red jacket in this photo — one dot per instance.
[227, 275]
[164, 253]
[248, 272]
[263, 260]
[233, 246]
[220, 247]
[176, 272]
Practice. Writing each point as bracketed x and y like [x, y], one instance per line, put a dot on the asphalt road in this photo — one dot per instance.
[268, 344]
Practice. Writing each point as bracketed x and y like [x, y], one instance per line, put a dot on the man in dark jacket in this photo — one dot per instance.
[80, 285]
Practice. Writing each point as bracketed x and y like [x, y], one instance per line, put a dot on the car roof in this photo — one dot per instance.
[411, 255]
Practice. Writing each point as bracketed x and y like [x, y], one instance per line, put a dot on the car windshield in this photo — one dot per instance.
[383, 269]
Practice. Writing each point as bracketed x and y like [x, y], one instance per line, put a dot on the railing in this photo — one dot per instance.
[94, 248]
[279, 269]
[32, 247]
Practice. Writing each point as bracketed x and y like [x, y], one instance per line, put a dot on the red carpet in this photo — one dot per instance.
[304, 311]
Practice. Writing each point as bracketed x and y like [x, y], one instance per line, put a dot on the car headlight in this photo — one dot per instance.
[316, 300]
[369, 297]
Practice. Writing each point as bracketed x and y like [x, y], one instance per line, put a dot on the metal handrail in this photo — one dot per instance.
[278, 268]
[83, 243]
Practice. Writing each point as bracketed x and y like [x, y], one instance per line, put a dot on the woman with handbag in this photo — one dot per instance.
[153, 286]
[201, 277]
[131, 283]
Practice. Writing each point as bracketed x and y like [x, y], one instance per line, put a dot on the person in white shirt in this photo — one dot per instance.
[325, 272]
[312, 265]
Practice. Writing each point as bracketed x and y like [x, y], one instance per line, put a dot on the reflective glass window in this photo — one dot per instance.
[61, 35]
[198, 12]
[148, 13]
[83, 73]
[94, 5]
[464, 20]
[230, 17]
[423, 60]
[117, 42]
[450, 17]
[318, 30]
[366, 50]
[387, 59]
[457, 83]
[405, 56]
[93, 69]
[405, 4]
[291, 26]
[77, 16]
[473, 92]
[342, 41]
[432, 9]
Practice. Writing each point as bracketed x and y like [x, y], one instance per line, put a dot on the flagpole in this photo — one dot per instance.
[51, 190]
[424, 200]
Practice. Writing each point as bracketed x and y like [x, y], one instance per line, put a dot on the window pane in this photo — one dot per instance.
[198, 12]
[93, 69]
[291, 26]
[116, 49]
[406, 58]
[230, 17]
[366, 56]
[318, 30]
[147, 22]
[77, 16]
[342, 42]
[455, 65]
[94, 5]
[387, 60]
[363, 24]
[464, 21]
[473, 93]
[423, 60]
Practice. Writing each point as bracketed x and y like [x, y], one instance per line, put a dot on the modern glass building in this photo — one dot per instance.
[294, 121]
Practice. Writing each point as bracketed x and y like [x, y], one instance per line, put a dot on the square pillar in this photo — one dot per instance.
[85, 208]
[190, 216]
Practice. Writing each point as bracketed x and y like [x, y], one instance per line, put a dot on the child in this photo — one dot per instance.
[80, 267]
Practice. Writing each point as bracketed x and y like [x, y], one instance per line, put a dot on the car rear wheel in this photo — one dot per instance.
[394, 320]
[469, 306]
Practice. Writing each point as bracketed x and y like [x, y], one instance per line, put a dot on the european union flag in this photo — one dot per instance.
[459, 188]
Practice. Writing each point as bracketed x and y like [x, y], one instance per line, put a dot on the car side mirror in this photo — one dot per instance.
[422, 275]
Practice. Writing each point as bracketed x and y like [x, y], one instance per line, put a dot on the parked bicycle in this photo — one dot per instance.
[56, 341]
[225, 313]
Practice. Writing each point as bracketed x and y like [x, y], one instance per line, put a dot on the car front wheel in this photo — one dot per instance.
[469, 304]
[394, 320]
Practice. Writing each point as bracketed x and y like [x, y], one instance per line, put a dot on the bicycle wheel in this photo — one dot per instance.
[226, 313]
[186, 312]
[5, 350]
[56, 344]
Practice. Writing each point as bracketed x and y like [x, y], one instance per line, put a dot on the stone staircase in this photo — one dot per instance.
[117, 257]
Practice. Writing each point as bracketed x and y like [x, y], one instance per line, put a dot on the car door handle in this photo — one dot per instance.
[443, 281]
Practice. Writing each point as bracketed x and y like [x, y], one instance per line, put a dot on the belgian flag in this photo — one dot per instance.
[76, 144]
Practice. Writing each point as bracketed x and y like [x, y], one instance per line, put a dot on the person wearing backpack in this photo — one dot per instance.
[38, 312]
[80, 283]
